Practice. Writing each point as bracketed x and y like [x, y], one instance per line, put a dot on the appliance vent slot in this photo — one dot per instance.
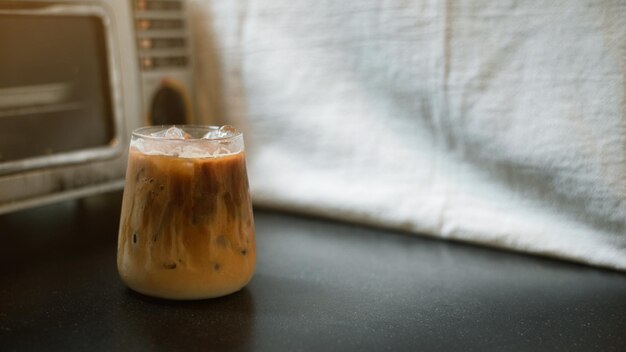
[161, 31]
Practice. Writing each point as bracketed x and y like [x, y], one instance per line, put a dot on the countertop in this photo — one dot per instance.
[319, 285]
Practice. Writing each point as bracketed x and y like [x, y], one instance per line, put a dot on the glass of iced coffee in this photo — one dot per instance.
[186, 229]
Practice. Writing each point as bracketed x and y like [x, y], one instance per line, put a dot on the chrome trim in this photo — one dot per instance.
[113, 185]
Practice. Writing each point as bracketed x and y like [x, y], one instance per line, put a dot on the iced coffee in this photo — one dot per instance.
[186, 228]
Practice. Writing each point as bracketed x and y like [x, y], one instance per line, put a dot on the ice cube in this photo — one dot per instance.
[212, 135]
[192, 151]
[139, 144]
[171, 133]
[225, 131]
[221, 151]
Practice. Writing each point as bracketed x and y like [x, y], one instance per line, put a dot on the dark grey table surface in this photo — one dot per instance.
[319, 286]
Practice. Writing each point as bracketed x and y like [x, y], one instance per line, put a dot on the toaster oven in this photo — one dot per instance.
[76, 77]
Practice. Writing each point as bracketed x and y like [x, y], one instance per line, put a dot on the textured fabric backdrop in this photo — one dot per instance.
[494, 122]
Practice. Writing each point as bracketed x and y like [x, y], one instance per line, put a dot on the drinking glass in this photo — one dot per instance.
[186, 228]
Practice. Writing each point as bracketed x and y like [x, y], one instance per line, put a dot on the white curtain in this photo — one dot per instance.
[501, 123]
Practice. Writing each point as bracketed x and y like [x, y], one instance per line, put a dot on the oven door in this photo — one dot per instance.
[63, 124]
[57, 97]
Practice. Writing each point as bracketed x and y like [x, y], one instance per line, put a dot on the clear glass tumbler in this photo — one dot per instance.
[186, 228]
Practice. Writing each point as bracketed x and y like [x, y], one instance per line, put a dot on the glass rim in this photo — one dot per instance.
[145, 132]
